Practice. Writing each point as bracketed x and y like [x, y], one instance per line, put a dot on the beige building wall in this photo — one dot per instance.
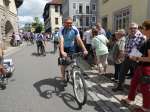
[11, 7]
[138, 10]
[53, 16]
[8, 20]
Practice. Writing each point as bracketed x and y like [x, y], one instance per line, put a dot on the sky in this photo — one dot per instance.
[31, 9]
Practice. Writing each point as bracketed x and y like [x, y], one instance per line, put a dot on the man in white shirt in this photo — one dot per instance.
[101, 30]
[87, 38]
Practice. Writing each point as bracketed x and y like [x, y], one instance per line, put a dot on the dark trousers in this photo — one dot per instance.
[128, 65]
[118, 71]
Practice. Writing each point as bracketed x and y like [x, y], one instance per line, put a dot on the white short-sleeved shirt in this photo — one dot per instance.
[87, 36]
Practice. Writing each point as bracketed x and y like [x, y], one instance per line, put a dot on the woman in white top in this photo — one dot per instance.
[99, 43]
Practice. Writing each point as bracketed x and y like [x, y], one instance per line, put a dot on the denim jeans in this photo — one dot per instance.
[119, 72]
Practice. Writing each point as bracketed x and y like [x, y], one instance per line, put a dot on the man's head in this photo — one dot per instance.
[98, 26]
[68, 22]
[133, 28]
[146, 28]
[119, 34]
[94, 31]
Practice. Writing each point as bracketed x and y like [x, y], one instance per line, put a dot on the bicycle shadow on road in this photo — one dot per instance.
[56, 88]
[54, 84]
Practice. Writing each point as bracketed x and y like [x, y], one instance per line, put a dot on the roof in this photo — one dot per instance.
[55, 2]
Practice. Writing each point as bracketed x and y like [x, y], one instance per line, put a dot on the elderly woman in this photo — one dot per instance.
[99, 43]
[141, 74]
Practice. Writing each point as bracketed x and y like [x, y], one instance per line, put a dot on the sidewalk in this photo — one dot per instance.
[100, 89]
[11, 49]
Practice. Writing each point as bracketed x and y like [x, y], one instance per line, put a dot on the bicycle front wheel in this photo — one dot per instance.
[79, 86]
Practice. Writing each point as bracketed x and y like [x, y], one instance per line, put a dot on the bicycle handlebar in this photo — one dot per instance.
[74, 55]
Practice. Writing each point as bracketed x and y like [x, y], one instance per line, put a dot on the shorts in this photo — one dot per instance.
[102, 59]
[69, 50]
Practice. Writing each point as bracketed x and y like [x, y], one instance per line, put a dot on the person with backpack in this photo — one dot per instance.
[40, 42]
[55, 37]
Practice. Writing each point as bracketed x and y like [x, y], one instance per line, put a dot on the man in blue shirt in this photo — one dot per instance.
[68, 34]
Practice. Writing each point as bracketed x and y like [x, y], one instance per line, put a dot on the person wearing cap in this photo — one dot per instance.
[133, 41]
[118, 54]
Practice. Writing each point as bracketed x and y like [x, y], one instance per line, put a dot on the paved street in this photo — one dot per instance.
[35, 87]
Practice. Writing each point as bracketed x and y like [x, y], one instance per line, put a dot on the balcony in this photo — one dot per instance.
[18, 3]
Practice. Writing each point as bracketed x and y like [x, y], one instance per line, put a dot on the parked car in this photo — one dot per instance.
[9, 66]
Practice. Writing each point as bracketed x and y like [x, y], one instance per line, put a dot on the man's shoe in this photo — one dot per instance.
[118, 88]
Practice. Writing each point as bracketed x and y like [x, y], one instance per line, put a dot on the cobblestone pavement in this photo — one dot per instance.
[101, 87]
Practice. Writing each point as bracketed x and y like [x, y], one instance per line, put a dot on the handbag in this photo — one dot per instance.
[145, 79]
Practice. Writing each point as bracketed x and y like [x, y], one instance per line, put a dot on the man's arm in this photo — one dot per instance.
[79, 41]
[63, 53]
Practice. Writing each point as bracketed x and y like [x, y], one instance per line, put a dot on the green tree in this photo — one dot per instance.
[39, 27]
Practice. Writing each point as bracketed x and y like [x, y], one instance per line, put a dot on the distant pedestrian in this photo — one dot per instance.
[55, 36]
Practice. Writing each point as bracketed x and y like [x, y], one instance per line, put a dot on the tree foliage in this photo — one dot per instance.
[37, 25]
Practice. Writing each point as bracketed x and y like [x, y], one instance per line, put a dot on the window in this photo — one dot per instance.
[94, 19]
[81, 21]
[94, 7]
[87, 9]
[74, 18]
[74, 5]
[121, 19]
[56, 8]
[56, 21]
[87, 21]
[80, 9]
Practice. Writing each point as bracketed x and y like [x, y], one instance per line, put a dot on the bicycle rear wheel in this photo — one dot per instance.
[79, 86]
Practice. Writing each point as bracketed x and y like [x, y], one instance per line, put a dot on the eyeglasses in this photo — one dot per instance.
[133, 28]
[68, 22]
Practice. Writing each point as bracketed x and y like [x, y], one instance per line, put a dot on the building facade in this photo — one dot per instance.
[116, 14]
[8, 18]
[52, 15]
[83, 12]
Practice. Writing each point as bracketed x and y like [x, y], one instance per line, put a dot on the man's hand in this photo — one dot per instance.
[64, 54]
[85, 52]
[134, 58]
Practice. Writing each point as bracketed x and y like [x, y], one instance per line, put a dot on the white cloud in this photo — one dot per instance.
[31, 9]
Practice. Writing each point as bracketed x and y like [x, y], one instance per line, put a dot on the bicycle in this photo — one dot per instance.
[74, 72]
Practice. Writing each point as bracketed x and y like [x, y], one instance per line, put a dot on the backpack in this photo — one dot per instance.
[56, 36]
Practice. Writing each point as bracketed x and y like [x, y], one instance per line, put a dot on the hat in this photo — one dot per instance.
[133, 25]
